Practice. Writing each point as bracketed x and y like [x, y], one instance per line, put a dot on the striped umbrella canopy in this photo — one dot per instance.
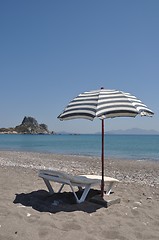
[104, 103]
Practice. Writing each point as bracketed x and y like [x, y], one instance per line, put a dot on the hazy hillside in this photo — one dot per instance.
[133, 131]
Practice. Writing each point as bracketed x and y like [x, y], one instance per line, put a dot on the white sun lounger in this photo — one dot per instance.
[83, 181]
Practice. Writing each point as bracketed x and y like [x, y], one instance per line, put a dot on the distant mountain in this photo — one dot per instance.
[134, 131]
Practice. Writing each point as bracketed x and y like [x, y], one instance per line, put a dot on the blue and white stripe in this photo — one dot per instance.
[104, 103]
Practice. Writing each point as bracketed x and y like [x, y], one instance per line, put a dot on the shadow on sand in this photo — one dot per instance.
[42, 201]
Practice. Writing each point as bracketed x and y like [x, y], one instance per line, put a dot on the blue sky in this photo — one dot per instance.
[50, 51]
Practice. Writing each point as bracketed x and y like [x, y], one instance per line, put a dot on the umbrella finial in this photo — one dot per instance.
[102, 87]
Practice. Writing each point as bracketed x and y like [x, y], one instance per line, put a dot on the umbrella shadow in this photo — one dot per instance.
[42, 201]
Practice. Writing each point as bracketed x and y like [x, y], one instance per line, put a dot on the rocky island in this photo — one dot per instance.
[29, 125]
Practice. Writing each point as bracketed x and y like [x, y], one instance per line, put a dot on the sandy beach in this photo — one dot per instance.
[27, 211]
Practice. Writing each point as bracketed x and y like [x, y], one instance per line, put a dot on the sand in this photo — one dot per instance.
[28, 212]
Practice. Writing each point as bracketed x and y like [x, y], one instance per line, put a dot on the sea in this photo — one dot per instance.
[136, 147]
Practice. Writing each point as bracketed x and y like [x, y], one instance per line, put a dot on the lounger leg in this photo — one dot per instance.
[84, 194]
[80, 188]
[61, 188]
[109, 188]
[51, 191]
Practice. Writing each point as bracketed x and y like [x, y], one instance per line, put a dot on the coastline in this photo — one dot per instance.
[136, 217]
[116, 147]
[140, 171]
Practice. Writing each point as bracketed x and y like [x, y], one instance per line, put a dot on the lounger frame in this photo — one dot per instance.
[83, 182]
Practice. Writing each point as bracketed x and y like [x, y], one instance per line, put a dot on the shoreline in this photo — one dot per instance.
[81, 155]
[124, 170]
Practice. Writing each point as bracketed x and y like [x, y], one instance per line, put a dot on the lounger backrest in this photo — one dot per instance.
[61, 176]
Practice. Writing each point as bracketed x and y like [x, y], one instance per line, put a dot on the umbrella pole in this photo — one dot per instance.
[102, 159]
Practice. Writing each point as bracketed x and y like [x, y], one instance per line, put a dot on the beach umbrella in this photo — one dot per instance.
[104, 103]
